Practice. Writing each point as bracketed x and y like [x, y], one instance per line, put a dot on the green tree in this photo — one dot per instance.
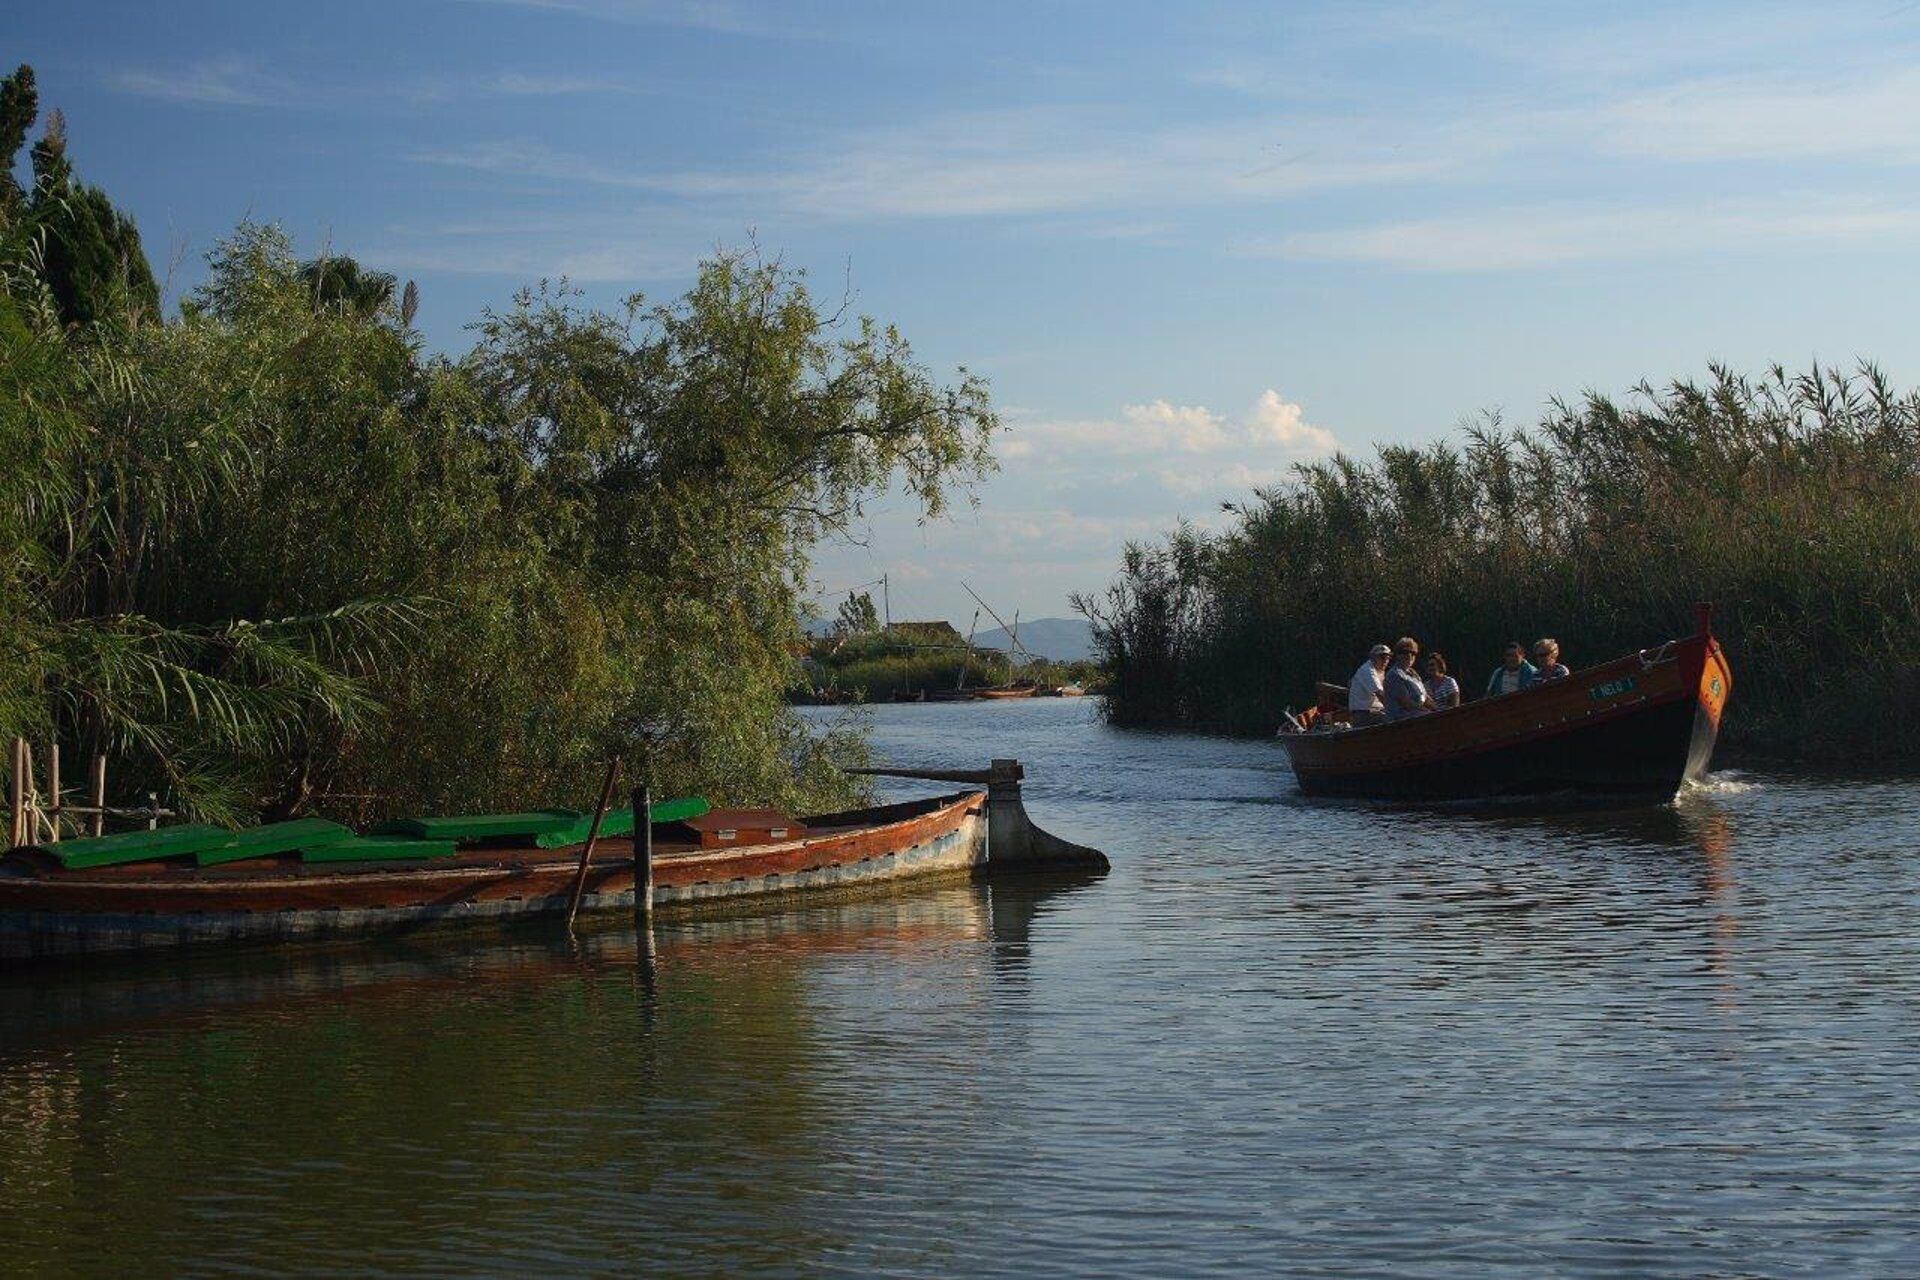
[19, 107]
[858, 617]
[343, 284]
[87, 251]
[277, 560]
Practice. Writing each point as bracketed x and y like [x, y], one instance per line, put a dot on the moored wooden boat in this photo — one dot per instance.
[1635, 728]
[48, 910]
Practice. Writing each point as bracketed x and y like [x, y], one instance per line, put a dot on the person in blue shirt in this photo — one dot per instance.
[1514, 672]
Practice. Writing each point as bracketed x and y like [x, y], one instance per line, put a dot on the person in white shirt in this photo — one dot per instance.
[1444, 688]
[1367, 691]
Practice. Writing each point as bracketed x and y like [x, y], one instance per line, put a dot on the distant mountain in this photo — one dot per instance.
[1062, 639]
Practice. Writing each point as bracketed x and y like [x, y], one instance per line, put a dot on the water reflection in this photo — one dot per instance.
[1277, 1035]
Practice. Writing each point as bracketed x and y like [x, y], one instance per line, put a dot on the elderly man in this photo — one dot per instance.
[1406, 692]
[1366, 692]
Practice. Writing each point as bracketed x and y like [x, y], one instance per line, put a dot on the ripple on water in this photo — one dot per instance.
[1280, 1035]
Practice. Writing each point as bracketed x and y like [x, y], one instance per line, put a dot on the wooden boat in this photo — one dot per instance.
[1635, 728]
[47, 909]
[1006, 691]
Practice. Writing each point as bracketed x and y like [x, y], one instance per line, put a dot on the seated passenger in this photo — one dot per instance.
[1443, 688]
[1514, 672]
[1366, 692]
[1406, 693]
[1546, 652]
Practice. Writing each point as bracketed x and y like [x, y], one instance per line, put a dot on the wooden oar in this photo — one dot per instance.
[593, 838]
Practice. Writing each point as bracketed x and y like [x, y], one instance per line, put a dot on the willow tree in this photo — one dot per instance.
[677, 464]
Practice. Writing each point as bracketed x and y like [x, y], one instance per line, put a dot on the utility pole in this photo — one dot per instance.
[886, 601]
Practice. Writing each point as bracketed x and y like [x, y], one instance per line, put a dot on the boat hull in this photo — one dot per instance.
[50, 913]
[1635, 729]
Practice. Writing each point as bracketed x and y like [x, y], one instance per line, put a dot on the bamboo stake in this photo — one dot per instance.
[29, 806]
[17, 796]
[99, 795]
[53, 791]
[593, 838]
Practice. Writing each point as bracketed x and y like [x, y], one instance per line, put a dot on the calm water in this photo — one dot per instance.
[1278, 1037]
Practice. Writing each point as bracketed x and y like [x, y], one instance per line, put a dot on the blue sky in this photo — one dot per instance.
[1189, 244]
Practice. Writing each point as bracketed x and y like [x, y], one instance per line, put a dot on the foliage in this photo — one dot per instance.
[342, 284]
[276, 560]
[1790, 501]
[857, 615]
[86, 251]
[871, 667]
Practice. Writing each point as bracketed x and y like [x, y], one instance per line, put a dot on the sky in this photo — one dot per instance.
[1189, 245]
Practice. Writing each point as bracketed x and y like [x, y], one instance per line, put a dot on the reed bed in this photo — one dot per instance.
[1788, 500]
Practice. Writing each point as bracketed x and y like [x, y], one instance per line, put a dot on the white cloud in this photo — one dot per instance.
[628, 247]
[1275, 421]
[1028, 161]
[1160, 425]
[227, 81]
[700, 15]
[1160, 428]
[245, 82]
[1744, 119]
[1515, 239]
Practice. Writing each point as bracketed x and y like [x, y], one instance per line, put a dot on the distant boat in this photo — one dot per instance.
[1638, 727]
[1007, 691]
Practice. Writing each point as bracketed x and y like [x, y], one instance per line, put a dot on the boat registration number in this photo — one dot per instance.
[1611, 689]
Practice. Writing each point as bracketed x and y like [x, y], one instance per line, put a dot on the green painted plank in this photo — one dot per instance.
[379, 849]
[138, 846]
[277, 837]
[482, 826]
[620, 821]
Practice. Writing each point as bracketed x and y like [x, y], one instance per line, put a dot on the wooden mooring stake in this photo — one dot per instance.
[593, 838]
[643, 852]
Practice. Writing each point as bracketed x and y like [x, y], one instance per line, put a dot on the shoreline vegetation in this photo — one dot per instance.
[1789, 500]
[274, 557]
[872, 666]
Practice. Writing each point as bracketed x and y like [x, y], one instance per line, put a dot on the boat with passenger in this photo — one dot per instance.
[310, 878]
[1636, 728]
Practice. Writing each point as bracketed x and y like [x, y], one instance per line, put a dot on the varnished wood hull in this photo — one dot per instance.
[1635, 729]
[45, 911]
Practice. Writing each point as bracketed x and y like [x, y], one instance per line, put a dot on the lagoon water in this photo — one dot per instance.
[1279, 1037]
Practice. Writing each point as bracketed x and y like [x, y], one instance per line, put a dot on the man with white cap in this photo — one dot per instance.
[1367, 691]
